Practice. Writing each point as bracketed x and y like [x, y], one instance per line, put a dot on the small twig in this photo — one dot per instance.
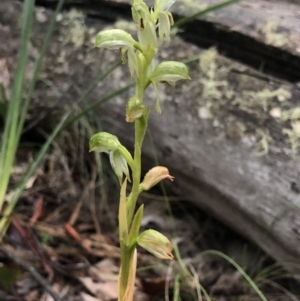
[40, 279]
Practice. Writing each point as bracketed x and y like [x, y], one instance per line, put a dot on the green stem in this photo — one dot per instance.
[140, 127]
[127, 251]
[140, 131]
[137, 162]
[126, 261]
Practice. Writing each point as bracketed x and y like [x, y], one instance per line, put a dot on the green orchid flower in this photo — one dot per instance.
[156, 243]
[164, 16]
[147, 37]
[114, 39]
[119, 156]
[140, 13]
[169, 72]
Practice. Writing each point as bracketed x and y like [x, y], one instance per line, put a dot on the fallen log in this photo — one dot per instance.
[230, 136]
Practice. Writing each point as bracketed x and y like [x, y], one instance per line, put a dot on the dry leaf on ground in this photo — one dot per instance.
[103, 290]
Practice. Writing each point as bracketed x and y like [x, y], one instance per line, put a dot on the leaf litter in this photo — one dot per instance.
[64, 243]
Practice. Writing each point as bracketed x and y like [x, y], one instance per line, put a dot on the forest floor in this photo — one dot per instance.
[65, 227]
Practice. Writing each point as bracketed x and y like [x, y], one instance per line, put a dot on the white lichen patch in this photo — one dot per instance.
[272, 36]
[275, 112]
[262, 98]
[245, 108]
[211, 88]
[211, 76]
[230, 93]
[73, 30]
[263, 143]
[283, 94]
[296, 128]
[204, 113]
[292, 114]
[4, 74]
[40, 14]
[207, 60]
[293, 135]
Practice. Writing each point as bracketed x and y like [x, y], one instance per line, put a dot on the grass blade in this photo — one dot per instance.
[9, 141]
[186, 272]
[4, 222]
[204, 12]
[38, 66]
[96, 103]
[239, 269]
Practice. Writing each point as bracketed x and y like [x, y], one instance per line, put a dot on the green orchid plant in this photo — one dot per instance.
[153, 26]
